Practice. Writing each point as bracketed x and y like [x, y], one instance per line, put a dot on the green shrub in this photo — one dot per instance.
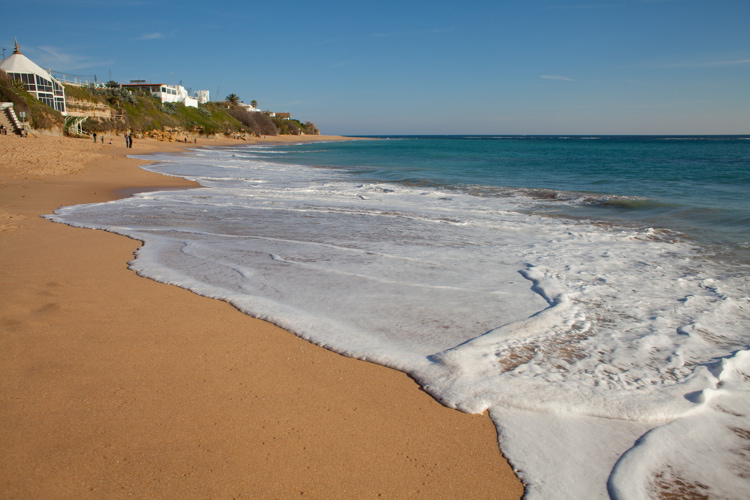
[257, 123]
[169, 108]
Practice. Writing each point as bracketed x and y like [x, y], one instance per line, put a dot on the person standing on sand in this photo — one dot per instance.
[94, 134]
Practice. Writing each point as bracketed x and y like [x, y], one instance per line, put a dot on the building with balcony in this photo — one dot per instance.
[167, 93]
[37, 81]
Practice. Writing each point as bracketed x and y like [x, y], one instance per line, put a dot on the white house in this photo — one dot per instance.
[202, 96]
[36, 81]
[248, 107]
[167, 93]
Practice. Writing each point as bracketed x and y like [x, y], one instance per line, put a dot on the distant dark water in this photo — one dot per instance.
[698, 185]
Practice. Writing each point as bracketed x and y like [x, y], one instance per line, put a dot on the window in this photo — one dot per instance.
[49, 92]
[47, 99]
[27, 79]
[60, 104]
[43, 84]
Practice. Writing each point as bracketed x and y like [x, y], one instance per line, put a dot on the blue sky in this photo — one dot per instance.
[422, 67]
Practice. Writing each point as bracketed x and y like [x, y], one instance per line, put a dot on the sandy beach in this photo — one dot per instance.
[113, 385]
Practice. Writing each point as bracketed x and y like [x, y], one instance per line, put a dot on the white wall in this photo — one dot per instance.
[190, 101]
[203, 96]
[176, 93]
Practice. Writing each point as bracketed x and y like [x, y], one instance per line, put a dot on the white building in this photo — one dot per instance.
[36, 81]
[248, 107]
[166, 93]
[202, 96]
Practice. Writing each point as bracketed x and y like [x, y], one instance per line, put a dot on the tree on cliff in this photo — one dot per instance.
[311, 128]
[233, 99]
[257, 123]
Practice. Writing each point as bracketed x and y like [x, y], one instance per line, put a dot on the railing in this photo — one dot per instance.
[14, 121]
[73, 125]
[78, 80]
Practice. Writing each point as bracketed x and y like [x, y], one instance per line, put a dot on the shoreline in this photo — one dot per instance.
[115, 385]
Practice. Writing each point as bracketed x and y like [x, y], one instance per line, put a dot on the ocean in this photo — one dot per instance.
[591, 293]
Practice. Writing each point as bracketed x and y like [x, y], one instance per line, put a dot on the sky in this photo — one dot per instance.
[421, 67]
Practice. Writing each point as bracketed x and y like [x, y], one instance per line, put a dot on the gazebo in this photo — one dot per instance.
[36, 81]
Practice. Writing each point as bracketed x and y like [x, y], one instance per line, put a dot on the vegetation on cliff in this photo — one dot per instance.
[119, 110]
[38, 114]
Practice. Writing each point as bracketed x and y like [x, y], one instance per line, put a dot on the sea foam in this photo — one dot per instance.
[612, 360]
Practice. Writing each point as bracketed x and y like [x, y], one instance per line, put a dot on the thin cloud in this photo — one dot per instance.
[434, 31]
[585, 6]
[728, 63]
[152, 36]
[60, 60]
[670, 1]
[556, 77]
[708, 64]
[394, 34]
[89, 3]
[610, 5]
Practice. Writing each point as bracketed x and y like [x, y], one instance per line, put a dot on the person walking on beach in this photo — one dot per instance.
[94, 134]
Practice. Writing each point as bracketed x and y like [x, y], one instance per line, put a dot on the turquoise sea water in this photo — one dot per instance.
[696, 185]
[591, 293]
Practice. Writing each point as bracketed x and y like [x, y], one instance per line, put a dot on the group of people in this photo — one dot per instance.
[128, 139]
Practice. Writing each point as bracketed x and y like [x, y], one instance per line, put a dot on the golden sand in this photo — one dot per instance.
[112, 385]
